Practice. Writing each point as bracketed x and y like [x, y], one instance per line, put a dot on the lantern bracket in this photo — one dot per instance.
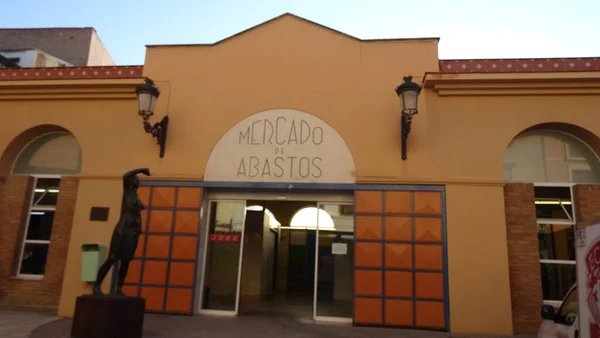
[159, 131]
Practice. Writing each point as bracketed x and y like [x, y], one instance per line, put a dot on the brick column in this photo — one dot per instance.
[523, 257]
[587, 202]
[15, 197]
[59, 241]
[14, 206]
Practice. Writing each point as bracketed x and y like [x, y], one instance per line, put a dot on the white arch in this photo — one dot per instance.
[550, 156]
[54, 153]
[309, 217]
[281, 145]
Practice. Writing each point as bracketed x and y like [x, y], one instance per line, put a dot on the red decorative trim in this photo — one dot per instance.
[520, 65]
[225, 237]
[71, 73]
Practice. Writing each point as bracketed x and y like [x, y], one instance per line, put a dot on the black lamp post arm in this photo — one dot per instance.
[406, 123]
[158, 131]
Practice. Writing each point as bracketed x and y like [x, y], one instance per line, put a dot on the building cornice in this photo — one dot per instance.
[497, 84]
[71, 73]
[69, 89]
[538, 65]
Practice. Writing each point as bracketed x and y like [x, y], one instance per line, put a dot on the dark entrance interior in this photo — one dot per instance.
[278, 264]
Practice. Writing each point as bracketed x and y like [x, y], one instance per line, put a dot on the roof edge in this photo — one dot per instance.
[43, 28]
[297, 17]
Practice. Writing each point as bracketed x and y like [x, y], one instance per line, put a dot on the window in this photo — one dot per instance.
[556, 232]
[47, 158]
[38, 230]
[550, 156]
[553, 161]
[50, 154]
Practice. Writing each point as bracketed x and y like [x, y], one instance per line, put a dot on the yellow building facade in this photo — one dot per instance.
[286, 117]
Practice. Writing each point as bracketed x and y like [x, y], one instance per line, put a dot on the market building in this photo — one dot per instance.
[287, 181]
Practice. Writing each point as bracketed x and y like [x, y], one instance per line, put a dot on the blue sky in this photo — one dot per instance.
[467, 28]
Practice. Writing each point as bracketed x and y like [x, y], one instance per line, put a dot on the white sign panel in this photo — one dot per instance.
[339, 248]
[580, 235]
[588, 281]
[281, 145]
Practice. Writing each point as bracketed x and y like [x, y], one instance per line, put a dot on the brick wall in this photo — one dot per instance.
[69, 44]
[14, 205]
[523, 257]
[587, 202]
[14, 197]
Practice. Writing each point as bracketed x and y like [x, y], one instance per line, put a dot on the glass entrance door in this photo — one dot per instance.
[223, 256]
[334, 273]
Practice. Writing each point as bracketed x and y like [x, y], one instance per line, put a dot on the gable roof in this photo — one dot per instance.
[280, 17]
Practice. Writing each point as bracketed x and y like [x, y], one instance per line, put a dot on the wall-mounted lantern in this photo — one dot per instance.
[408, 93]
[147, 95]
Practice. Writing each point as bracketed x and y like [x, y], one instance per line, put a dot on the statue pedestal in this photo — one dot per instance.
[108, 317]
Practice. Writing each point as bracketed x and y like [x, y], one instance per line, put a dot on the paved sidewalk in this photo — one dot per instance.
[156, 326]
[19, 322]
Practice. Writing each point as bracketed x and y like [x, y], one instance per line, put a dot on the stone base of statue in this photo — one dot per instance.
[108, 316]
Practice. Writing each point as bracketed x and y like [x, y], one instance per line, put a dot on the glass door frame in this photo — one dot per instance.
[243, 197]
[330, 319]
[208, 219]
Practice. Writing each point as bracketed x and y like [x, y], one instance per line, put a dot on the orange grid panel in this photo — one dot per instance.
[172, 215]
[163, 197]
[161, 221]
[368, 227]
[186, 222]
[412, 239]
[133, 273]
[367, 283]
[182, 274]
[184, 247]
[398, 228]
[398, 202]
[427, 202]
[368, 310]
[155, 272]
[154, 298]
[430, 314]
[399, 312]
[368, 255]
[368, 202]
[428, 229]
[189, 198]
[179, 300]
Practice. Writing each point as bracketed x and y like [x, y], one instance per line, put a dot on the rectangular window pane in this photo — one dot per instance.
[46, 192]
[223, 254]
[40, 225]
[34, 258]
[335, 269]
[557, 279]
[553, 203]
[556, 242]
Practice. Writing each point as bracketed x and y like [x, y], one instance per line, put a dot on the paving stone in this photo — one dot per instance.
[19, 323]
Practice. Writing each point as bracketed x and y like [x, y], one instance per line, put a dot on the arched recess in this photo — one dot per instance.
[49, 153]
[44, 149]
[552, 156]
[281, 145]
[553, 153]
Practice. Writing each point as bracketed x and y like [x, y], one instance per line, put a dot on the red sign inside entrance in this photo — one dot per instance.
[225, 237]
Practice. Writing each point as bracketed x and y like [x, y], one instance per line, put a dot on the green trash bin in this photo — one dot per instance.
[92, 257]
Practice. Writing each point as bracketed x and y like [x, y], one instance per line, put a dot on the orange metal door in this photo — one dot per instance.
[400, 270]
[164, 268]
